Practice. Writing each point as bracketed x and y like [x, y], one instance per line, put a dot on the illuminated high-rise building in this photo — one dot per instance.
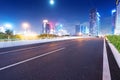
[81, 30]
[94, 18]
[113, 20]
[117, 25]
[51, 28]
[44, 26]
[47, 27]
[77, 30]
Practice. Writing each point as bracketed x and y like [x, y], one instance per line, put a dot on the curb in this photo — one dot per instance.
[106, 69]
[115, 52]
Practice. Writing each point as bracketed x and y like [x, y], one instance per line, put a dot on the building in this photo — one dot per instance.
[117, 25]
[44, 26]
[94, 21]
[47, 28]
[113, 20]
[81, 30]
[77, 30]
[51, 28]
[60, 30]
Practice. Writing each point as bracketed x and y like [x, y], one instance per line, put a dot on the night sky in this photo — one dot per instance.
[67, 12]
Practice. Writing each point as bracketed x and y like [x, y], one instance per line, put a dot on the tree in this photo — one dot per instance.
[9, 33]
[2, 35]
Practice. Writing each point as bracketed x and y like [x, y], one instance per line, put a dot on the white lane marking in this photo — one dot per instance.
[30, 59]
[19, 50]
[106, 69]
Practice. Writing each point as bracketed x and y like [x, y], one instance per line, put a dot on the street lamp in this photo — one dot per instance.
[8, 26]
[25, 26]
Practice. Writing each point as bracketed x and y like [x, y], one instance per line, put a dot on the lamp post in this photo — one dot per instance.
[25, 26]
[8, 26]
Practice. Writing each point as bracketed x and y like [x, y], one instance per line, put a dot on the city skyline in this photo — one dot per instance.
[67, 12]
[59, 39]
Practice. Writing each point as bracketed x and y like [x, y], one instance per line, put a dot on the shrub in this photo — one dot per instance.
[115, 40]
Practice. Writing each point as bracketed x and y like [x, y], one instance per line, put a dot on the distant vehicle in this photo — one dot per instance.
[97, 36]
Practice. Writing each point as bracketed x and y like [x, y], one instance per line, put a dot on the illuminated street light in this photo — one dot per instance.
[52, 2]
[45, 21]
[113, 11]
[8, 26]
[25, 26]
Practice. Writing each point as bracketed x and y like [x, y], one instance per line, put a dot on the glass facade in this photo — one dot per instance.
[94, 22]
[117, 27]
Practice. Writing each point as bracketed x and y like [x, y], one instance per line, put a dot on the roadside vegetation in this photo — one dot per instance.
[115, 40]
[43, 36]
[8, 36]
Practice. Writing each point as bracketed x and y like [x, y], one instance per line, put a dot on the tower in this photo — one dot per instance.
[113, 20]
[44, 26]
[117, 25]
[94, 20]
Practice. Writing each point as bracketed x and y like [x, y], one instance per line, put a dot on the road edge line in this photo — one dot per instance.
[106, 69]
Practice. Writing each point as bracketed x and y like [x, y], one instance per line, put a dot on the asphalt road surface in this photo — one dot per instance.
[78, 59]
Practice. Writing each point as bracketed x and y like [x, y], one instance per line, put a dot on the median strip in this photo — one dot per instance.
[30, 59]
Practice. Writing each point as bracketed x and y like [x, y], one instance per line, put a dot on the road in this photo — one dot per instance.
[78, 59]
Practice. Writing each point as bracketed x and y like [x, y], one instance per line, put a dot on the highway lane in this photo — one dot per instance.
[80, 59]
[18, 54]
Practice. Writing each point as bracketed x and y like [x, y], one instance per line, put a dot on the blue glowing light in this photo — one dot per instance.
[113, 11]
[52, 2]
[8, 26]
[98, 14]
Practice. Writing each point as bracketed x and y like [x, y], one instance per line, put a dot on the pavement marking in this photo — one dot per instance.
[30, 59]
[1, 53]
[19, 50]
[106, 69]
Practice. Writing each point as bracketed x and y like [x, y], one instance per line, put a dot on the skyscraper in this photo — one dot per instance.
[77, 30]
[117, 26]
[47, 27]
[113, 20]
[44, 26]
[81, 30]
[94, 19]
